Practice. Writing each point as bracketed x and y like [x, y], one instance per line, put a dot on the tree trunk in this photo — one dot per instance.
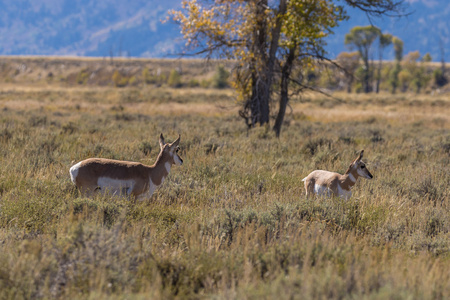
[263, 76]
[366, 72]
[284, 91]
[257, 111]
[377, 89]
[259, 101]
[254, 102]
[349, 85]
[366, 80]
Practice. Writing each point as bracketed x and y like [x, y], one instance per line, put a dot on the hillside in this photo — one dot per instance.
[91, 71]
[87, 28]
[133, 28]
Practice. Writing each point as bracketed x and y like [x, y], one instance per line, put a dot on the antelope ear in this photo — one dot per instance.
[161, 141]
[360, 155]
[176, 142]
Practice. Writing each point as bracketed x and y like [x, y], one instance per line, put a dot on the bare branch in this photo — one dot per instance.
[304, 86]
[380, 7]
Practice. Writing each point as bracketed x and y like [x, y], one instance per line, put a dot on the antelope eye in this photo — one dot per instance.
[362, 167]
[178, 148]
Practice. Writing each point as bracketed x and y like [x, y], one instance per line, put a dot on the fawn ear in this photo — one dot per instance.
[161, 141]
[176, 142]
[360, 155]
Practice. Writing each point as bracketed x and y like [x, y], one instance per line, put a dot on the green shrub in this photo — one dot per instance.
[193, 83]
[133, 81]
[83, 76]
[220, 78]
[119, 80]
[439, 78]
[174, 79]
[148, 77]
[205, 83]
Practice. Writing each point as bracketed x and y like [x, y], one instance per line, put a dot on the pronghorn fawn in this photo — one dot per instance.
[327, 183]
[125, 178]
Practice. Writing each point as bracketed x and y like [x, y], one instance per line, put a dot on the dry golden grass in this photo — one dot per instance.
[233, 221]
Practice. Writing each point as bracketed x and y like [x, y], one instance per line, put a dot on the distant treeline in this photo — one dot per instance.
[412, 73]
[365, 71]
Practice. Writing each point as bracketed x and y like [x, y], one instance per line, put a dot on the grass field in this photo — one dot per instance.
[233, 222]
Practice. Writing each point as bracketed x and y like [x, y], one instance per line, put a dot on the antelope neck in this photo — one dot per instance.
[161, 169]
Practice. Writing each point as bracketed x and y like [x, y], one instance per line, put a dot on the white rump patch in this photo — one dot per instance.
[116, 187]
[74, 171]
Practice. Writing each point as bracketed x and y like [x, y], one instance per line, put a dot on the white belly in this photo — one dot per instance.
[344, 193]
[321, 190]
[116, 186]
[151, 189]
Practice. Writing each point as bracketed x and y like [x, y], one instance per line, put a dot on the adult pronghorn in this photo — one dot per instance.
[125, 178]
[327, 183]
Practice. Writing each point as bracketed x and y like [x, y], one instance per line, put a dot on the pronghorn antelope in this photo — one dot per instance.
[125, 178]
[327, 183]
